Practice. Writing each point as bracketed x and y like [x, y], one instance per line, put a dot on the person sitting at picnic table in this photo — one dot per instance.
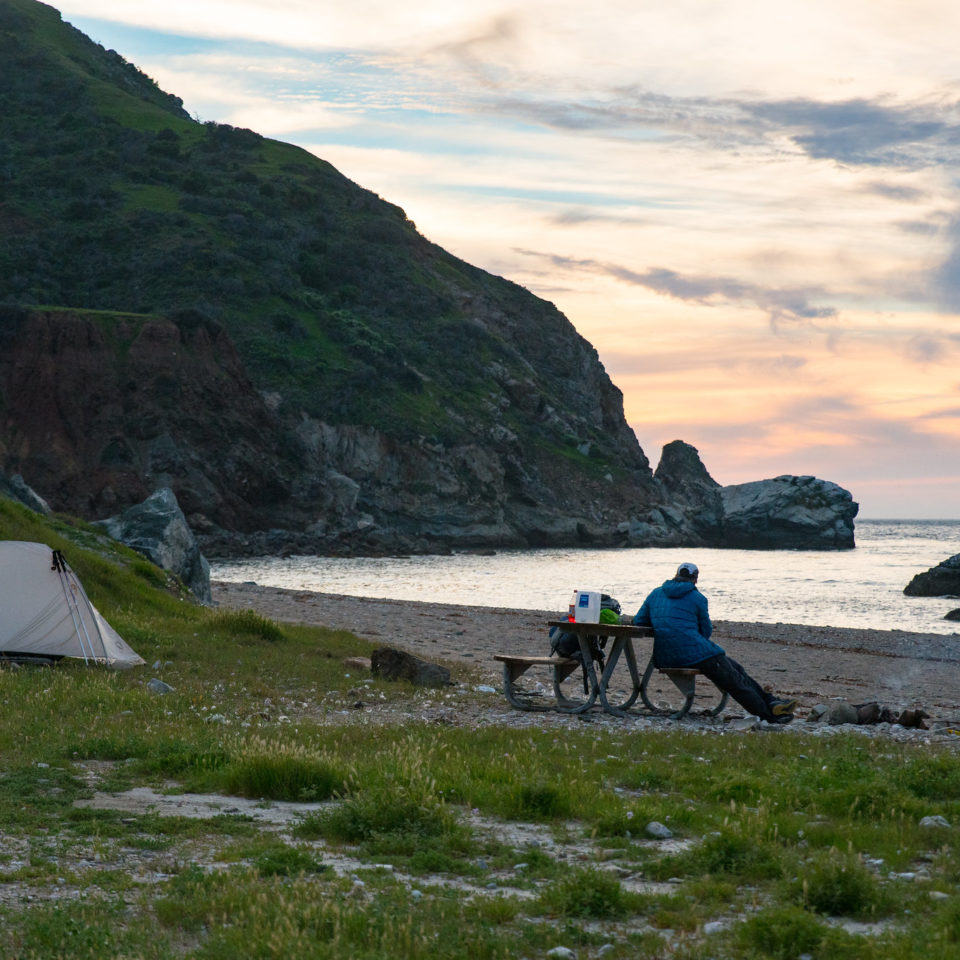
[677, 611]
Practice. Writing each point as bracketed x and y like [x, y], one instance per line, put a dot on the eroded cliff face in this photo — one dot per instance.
[97, 415]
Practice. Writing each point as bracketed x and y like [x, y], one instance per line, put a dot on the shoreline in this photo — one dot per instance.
[895, 668]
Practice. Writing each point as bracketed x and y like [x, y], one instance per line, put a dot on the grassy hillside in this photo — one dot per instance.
[113, 198]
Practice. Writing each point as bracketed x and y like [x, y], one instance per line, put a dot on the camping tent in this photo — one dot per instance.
[45, 613]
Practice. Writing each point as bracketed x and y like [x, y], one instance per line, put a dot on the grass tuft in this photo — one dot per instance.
[273, 770]
[246, 626]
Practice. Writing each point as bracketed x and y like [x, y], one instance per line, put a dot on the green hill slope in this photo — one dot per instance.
[122, 202]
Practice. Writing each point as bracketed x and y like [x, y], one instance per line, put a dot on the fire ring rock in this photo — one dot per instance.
[393, 664]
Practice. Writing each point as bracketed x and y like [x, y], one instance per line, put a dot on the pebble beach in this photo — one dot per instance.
[897, 669]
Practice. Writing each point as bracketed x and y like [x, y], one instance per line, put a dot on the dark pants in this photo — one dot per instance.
[728, 675]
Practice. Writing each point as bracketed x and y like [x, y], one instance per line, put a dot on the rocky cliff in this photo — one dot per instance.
[98, 412]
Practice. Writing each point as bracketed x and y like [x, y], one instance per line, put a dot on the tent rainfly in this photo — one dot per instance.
[46, 614]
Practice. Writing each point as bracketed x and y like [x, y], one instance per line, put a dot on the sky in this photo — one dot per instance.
[751, 209]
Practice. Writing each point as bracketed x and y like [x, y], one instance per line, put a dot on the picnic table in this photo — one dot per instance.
[598, 687]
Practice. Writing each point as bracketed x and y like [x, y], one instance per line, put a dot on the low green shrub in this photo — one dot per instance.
[742, 852]
[85, 930]
[780, 933]
[837, 884]
[369, 815]
[282, 860]
[538, 800]
[589, 893]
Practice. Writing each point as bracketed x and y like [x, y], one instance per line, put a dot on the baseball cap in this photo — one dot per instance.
[688, 570]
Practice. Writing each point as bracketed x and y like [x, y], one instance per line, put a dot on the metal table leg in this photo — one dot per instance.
[621, 646]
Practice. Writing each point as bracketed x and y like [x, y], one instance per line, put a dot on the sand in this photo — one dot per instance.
[895, 668]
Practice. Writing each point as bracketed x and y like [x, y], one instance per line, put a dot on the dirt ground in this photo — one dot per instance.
[897, 669]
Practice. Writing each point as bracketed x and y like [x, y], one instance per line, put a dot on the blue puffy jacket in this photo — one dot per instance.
[677, 611]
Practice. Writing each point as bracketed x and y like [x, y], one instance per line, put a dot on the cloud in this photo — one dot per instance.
[866, 132]
[578, 216]
[870, 132]
[895, 191]
[946, 278]
[924, 349]
[783, 364]
[780, 304]
[920, 228]
[951, 413]
[473, 48]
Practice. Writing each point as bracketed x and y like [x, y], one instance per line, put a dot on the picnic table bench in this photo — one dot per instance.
[560, 667]
[598, 687]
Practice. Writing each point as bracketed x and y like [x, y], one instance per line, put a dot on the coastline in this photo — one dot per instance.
[895, 668]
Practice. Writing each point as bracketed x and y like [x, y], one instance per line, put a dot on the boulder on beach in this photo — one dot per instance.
[158, 529]
[393, 664]
[943, 580]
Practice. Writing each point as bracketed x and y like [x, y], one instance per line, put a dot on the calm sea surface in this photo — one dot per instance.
[854, 588]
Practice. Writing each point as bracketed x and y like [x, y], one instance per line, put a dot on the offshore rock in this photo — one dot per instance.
[158, 529]
[787, 513]
[784, 513]
[943, 580]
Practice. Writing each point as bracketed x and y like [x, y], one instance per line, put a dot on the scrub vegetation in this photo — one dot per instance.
[428, 840]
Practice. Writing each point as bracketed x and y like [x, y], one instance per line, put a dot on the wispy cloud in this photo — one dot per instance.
[780, 305]
[868, 132]
[895, 191]
[927, 348]
[946, 278]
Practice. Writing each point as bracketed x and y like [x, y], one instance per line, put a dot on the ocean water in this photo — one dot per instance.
[862, 587]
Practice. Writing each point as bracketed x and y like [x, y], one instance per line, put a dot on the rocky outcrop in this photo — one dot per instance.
[15, 488]
[158, 529]
[787, 513]
[943, 580]
[688, 487]
[97, 416]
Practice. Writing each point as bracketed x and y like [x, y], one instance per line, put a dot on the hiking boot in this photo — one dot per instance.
[781, 708]
[782, 718]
